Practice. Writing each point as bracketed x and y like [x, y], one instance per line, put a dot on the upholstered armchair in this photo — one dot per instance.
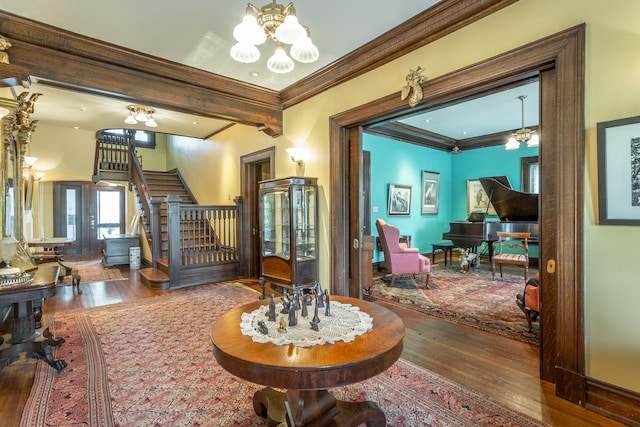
[398, 258]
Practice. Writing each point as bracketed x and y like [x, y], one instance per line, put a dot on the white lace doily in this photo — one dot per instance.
[345, 323]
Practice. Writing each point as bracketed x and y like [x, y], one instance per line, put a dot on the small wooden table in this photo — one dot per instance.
[27, 301]
[307, 372]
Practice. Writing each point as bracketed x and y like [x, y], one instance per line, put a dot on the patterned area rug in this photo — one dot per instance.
[150, 363]
[470, 299]
[93, 271]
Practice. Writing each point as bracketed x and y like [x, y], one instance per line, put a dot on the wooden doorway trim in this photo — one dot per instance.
[559, 61]
[249, 191]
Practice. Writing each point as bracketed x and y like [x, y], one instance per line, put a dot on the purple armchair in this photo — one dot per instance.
[398, 258]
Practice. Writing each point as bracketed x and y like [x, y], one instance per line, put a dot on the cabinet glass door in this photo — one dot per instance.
[275, 234]
[304, 212]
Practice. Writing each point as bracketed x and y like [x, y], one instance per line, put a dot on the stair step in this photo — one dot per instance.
[155, 278]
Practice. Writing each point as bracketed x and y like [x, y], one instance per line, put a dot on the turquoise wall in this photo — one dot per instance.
[395, 162]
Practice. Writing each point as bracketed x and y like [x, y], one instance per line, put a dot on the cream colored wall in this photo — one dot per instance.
[612, 91]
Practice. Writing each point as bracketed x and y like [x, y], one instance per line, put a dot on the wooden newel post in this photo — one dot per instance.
[156, 230]
[173, 220]
[240, 231]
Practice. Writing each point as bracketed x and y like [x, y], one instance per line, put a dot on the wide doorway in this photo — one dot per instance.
[85, 212]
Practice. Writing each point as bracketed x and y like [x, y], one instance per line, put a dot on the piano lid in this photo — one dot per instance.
[511, 205]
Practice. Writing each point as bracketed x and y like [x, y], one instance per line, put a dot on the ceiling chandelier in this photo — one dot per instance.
[522, 135]
[140, 113]
[281, 25]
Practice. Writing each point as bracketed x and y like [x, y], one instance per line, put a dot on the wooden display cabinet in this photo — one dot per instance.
[288, 232]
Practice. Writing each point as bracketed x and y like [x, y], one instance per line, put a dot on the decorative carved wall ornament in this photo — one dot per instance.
[4, 45]
[413, 87]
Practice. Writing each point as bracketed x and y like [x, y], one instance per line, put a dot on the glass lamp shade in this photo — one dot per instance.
[141, 117]
[534, 141]
[280, 62]
[248, 31]
[512, 144]
[151, 123]
[130, 120]
[8, 249]
[245, 52]
[304, 51]
[290, 31]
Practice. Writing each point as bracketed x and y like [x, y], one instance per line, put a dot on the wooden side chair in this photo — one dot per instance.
[517, 252]
[69, 269]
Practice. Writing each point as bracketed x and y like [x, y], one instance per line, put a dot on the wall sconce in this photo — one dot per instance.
[30, 161]
[297, 154]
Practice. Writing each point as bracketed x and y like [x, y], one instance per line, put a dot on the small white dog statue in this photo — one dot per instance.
[466, 259]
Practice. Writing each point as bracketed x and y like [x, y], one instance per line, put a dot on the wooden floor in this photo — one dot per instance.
[501, 368]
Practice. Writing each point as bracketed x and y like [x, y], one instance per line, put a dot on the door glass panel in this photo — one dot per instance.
[108, 213]
[71, 213]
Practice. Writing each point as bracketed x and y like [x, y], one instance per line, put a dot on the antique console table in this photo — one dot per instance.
[307, 372]
[27, 301]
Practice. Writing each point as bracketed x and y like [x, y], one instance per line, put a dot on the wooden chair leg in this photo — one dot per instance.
[426, 280]
[527, 312]
[75, 280]
[393, 279]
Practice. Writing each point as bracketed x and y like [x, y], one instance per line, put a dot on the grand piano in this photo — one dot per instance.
[518, 212]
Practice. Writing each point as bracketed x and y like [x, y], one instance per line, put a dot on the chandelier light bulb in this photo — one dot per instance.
[534, 141]
[280, 62]
[248, 31]
[245, 52]
[512, 144]
[130, 120]
[290, 31]
[305, 51]
[151, 123]
[141, 116]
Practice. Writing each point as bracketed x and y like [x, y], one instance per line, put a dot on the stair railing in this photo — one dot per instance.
[139, 183]
[202, 236]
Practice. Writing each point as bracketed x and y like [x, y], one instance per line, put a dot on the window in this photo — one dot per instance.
[142, 138]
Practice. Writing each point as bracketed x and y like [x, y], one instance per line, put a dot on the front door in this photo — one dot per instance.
[85, 212]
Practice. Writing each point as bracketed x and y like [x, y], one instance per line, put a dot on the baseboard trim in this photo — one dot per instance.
[613, 402]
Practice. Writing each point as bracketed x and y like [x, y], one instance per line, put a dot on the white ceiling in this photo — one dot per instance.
[198, 33]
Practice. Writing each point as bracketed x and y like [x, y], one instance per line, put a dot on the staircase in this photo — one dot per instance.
[159, 186]
[190, 244]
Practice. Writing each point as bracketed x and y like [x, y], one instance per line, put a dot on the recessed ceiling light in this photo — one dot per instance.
[254, 74]
[76, 128]
[194, 123]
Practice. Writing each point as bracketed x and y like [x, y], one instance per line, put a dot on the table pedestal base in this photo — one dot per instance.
[314, 408]
[39, 349]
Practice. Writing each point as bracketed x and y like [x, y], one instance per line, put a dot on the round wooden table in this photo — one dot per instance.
[307, 372]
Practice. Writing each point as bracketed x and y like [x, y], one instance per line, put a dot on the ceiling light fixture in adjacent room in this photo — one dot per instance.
[523, 134]
[280, 24]
[140, 113]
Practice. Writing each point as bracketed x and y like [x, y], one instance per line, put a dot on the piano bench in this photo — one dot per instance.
[446, 248]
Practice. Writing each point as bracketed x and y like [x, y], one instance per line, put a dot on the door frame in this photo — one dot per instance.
[250, 264]
[559, 61]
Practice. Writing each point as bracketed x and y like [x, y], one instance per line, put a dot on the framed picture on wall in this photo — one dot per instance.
[619, 171]
[399, 200]
[478, 199]
[430, 193]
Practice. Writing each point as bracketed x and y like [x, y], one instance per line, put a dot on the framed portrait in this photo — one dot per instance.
[619, 171]
[430, 193]
[478, 199]
[399, 200]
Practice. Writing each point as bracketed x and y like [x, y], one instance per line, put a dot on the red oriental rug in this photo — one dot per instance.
[470, 299]
[150, 363]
